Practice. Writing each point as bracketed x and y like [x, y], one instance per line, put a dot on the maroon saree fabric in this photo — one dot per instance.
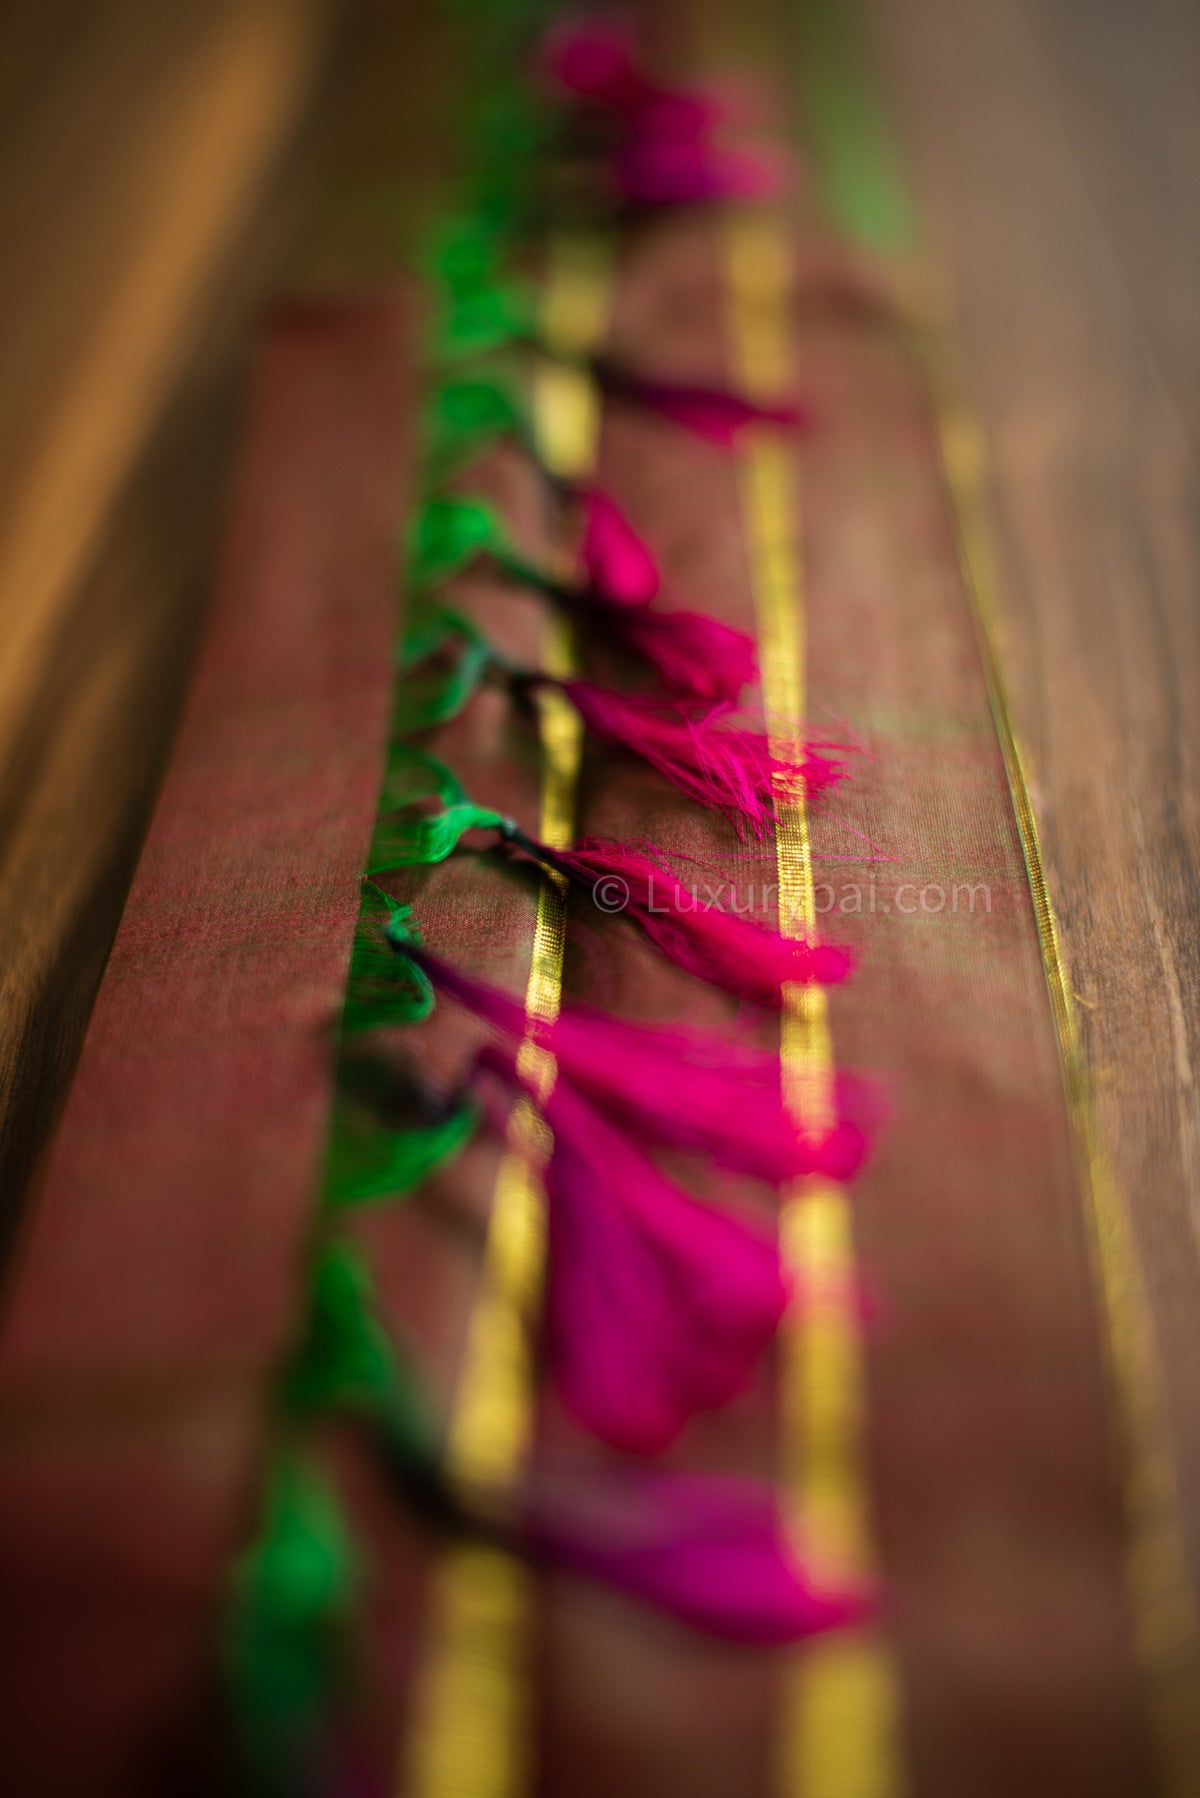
[160, 1274]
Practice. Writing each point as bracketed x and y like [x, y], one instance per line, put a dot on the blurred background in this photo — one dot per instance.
[171, 174]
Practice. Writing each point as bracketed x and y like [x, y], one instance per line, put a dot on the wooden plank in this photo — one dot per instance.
[1074, 271]
[151, 152]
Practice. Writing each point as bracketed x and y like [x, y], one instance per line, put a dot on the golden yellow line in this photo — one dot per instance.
[471, 1731]
[1162, 1596]
[837, 1735]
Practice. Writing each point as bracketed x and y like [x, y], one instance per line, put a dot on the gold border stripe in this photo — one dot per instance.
[837, 1738]
[472, 1728]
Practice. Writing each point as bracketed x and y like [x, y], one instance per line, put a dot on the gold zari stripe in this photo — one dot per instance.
[836, 1739]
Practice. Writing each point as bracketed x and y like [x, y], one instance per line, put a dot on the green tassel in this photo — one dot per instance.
[464, 417]
[400, 929]
[451, 533]
[368, 1162]
[293, 1595]
[492, 317]
[417, 842]
[384, 988]
[433, 696]
[467, 253]
[409, 842]
[345, 1362]
[412, 774]
[428, 696]
[432, 629]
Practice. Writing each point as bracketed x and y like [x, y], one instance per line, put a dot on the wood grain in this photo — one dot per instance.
[1056, 150]
[149, 158]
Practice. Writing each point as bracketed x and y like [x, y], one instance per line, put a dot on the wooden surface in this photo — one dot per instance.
[1055, 150]
[150, 159]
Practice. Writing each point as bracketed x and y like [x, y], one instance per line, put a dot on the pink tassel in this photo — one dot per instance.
[597, 62]
[729, 769]
[668, 115]
[694, 657]
[752, 961]
[706, 1549]
[681, 1089]
[657, 1306]
[617, 563]
[709, 412]
[695, 1093]
[594, 60]
[678, 171]
[668, 158]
